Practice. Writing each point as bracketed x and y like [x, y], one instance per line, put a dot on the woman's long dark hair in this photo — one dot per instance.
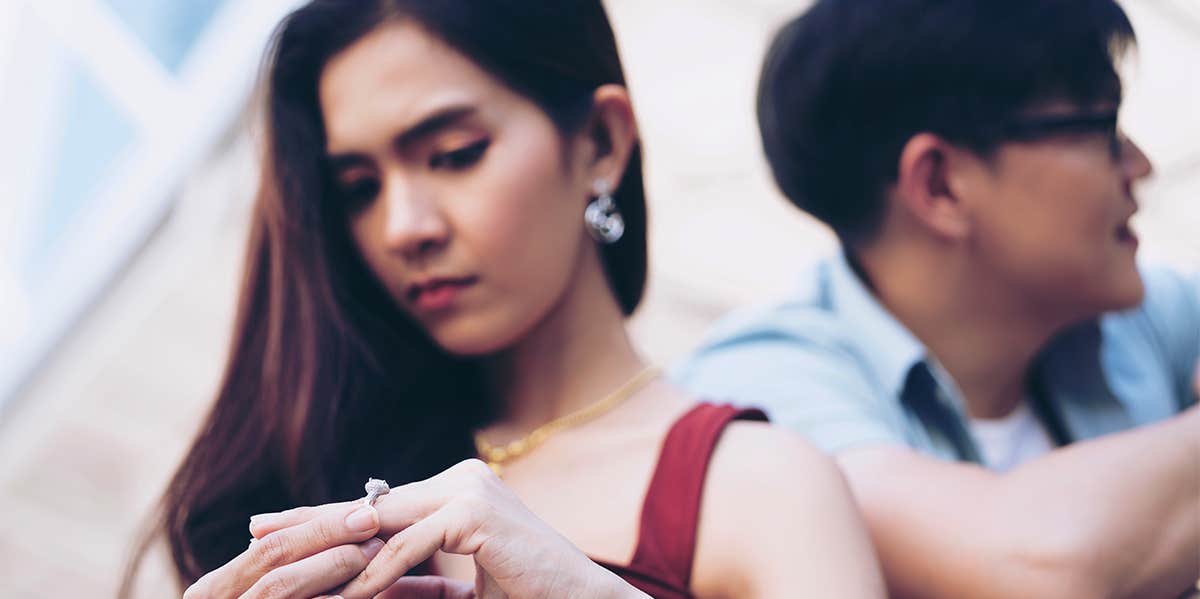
[327, 381]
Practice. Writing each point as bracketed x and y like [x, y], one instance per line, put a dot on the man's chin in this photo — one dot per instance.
[1129, 294]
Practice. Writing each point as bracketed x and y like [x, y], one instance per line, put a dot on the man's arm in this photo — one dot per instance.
[1117, 516]
[1112, 517]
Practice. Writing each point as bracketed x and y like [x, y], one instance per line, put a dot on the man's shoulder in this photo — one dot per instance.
[790, 351]
[797, 320]
[806, 315]
[795, 360]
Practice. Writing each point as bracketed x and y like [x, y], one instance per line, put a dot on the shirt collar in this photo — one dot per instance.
[887, 345]
[1074, 377]
[1071, 363]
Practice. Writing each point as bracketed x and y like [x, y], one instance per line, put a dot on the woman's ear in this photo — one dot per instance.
[612, 133]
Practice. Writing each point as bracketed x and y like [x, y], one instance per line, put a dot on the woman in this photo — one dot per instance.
[450, 233]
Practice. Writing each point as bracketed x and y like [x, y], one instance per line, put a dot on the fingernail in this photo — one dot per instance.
[371, 548]
[261, 518]
[363, 519]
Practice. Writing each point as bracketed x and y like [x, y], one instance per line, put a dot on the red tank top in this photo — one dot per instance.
[662, 562]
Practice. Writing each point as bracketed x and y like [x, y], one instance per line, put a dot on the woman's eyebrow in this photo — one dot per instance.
[433, 123]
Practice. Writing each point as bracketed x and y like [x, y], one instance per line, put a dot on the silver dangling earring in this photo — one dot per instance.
[603, 219]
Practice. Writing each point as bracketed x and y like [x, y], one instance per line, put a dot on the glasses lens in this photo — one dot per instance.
[1116, 143]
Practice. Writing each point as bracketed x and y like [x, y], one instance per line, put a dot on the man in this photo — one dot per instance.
[1009, 397]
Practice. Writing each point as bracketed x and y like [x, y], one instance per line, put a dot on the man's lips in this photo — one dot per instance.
[1125, 234]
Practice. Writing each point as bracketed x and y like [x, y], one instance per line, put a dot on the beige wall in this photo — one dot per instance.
[90, 442]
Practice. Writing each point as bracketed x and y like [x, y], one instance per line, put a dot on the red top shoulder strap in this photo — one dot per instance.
[671, 510]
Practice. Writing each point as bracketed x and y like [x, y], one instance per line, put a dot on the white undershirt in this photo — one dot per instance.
[1005, 443]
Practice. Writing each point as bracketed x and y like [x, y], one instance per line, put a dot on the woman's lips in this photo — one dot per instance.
[438, 294]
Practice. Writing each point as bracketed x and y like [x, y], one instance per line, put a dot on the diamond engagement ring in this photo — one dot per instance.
[375, 487]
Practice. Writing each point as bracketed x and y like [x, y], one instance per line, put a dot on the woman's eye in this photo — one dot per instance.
[460, 159]
[359, 193]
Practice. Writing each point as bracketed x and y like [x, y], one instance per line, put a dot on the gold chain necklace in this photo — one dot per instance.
[496, 456]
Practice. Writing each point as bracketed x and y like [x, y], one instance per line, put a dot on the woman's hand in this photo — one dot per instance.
[430, 587]
[301, 561]
[465, 510]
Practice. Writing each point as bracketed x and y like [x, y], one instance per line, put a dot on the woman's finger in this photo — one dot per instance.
[347, 525]
[315, 574]
[397, 510]
[262, 525]
[403, 552]
[395, 514]
[428, 587]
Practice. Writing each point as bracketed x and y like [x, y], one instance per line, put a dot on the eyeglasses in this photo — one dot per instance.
[1031, 128]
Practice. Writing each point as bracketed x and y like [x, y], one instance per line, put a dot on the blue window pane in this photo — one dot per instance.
[94, 135]
[168, 28]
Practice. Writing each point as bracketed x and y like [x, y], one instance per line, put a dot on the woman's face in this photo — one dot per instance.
[463, 198]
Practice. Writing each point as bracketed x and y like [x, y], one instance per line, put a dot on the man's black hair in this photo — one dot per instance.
[848, 83]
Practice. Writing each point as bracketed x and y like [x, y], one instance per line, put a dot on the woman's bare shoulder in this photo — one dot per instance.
[760, 455]
[774, 508]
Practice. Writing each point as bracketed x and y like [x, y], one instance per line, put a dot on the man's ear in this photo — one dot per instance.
[929, 186]
[613, 133]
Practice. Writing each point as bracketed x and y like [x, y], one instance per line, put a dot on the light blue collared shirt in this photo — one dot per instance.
[833, 364]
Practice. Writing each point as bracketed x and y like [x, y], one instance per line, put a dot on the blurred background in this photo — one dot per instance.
[128, 164]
